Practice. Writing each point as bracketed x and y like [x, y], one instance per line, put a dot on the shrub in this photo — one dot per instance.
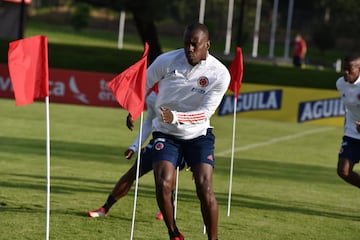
[81, 16]
[323, 37]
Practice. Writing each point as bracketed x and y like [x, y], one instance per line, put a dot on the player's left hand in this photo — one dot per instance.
[357, 126]
[166, 115]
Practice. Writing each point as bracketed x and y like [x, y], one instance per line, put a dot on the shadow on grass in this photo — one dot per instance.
[260, 169]
[269, 169]
[39, 209]
[277, 205]
[59, 185]
[66, 150]
[300, 207]
[4, 207]
[185, 195]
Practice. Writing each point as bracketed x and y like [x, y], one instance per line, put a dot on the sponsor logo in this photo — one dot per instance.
[325, 108]
[159, 140]
[5, 84]
[56, 88]
[75, 90]
[105, 94]
[252, 101]
[202, 82]
[198, 90]
[73, 87]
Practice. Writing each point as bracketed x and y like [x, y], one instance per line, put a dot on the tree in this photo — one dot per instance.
[145, 24]
[323, 37]
[144, 17]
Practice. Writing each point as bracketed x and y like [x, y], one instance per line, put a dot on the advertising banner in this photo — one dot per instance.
[68, 86]
[292, 104]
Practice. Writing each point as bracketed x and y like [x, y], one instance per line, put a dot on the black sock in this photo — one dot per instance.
[109, 202]
[174, 233]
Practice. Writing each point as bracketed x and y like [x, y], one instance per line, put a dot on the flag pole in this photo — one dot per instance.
[47, 167]
[232, 155]
[236, 73]
[176, 190]
[137, 176]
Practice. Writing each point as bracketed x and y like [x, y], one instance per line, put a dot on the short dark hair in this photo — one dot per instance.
[198, 26]
[351, 58]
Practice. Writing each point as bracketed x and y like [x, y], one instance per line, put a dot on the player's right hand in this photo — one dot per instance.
[166, 115]
[128, 153]
[129, 122]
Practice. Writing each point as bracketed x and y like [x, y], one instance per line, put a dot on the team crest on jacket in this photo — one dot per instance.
[203, 81]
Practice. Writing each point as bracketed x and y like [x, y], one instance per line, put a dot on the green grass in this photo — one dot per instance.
[281, 190]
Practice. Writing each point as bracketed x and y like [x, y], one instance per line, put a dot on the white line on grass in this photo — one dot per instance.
[274, 140]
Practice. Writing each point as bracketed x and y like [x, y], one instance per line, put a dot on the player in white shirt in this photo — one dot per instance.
[349, 88]
[192, 84]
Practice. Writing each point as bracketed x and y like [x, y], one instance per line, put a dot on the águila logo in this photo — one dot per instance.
[322, 108]
[252, 101]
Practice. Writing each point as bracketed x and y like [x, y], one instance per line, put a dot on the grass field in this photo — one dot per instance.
[284, 187]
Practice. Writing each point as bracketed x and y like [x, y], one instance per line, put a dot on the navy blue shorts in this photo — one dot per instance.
[147, 158]
[193, 151]
[350, 149]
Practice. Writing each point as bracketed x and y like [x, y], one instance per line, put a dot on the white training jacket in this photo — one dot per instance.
[192, 93]
[350, 95]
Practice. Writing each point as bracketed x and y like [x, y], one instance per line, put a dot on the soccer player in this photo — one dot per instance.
[192, 84]
[349, 88]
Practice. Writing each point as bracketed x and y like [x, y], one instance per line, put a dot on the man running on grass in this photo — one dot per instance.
[349, 88]
[192, 84]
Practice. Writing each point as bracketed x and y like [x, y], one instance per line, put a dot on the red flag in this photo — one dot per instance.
[28, 68]
[129, 86]
[236, 72]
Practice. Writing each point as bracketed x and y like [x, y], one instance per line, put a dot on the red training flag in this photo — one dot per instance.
[236, 72]
[28, 68]
[129, 86]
